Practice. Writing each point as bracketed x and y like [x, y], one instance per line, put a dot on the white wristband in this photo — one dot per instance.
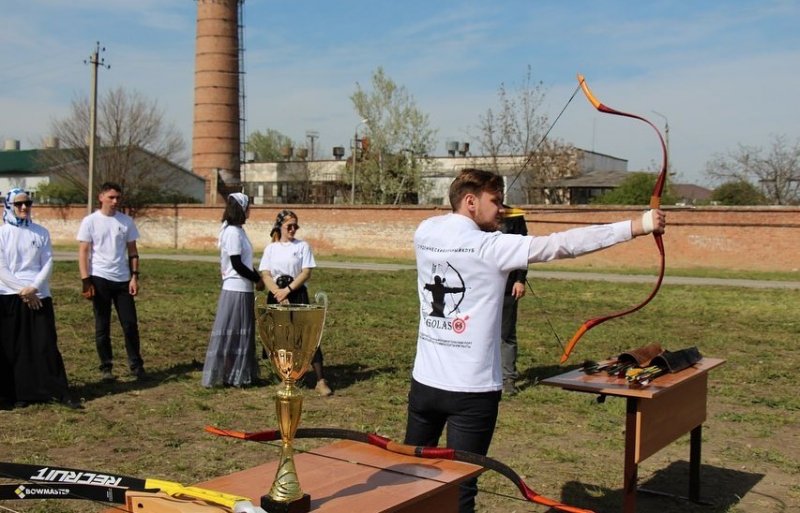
[647, 222]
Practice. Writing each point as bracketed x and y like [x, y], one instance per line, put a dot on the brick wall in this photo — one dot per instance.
[745, 238]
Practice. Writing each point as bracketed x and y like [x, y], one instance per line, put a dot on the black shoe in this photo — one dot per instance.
[71, 403]
[21, 404]
[108, 376]
[139, 373]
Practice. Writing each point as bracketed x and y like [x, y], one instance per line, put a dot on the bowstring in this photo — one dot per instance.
[516, 177]
[543, 139]
[540, 301]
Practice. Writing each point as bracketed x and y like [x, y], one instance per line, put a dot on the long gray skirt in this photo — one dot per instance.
[231, 355]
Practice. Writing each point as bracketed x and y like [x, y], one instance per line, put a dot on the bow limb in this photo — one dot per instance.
[655, 202]
[408, 450]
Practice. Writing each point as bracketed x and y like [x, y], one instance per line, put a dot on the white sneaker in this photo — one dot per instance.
[322, 388]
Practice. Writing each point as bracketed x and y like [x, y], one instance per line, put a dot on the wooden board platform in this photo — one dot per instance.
[347, 476]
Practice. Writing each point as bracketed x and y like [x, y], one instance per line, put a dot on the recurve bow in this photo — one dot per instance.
[655, 202]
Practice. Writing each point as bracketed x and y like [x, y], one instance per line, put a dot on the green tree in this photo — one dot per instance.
[267, 146]
[636, 189]
[776, 170]
[399, 139]
[738, 192]
[60, 193]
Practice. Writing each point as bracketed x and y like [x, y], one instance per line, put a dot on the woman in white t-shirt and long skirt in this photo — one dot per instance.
[286, 267]
[231, 355]
[31, 367]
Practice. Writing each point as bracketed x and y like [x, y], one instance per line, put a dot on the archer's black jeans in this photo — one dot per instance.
[470, 419]
[106, 293]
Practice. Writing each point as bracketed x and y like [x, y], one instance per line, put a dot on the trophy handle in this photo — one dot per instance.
[321, 298]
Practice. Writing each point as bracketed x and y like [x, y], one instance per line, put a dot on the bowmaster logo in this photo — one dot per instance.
[23, 491]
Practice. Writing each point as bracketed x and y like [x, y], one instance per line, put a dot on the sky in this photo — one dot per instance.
[717, 74]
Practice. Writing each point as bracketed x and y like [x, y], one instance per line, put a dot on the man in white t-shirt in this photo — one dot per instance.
[457, 376]
[109, 267]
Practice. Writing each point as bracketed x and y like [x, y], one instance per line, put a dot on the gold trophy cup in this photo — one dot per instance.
[291, 334]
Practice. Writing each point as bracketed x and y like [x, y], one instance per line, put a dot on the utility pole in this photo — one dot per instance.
[96, 62]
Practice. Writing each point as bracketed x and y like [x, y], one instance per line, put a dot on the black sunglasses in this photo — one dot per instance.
[293, 226]
[19, 204]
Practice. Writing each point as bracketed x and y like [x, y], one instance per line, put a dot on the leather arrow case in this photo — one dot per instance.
[676, 361]
[642, 356]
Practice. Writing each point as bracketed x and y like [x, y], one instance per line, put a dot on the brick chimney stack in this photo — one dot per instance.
[215, 132]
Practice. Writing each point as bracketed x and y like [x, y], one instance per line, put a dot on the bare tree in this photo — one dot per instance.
[135, 143]
[513, 136]
[399, 139]
[776, 171]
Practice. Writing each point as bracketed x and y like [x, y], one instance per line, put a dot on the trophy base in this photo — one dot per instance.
[301, 505]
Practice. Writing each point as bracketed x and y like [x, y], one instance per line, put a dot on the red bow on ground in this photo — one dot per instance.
[409, 450]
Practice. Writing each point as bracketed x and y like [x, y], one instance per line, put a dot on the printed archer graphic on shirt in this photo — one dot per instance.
[440, 289]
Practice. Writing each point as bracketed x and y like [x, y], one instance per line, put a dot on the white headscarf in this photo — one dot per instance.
[8, 211]
[243, 200]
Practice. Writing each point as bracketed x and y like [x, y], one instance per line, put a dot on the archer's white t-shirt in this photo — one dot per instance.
[287, 258]
[109, 236]
[234, 241]
[461, 273]
[461, 276]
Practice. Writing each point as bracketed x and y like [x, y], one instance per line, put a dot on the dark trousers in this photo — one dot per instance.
[470, 419]
[106, 293]
[508, 338]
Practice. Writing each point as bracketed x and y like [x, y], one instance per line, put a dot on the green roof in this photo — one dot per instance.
[29, 161]
[18, 161]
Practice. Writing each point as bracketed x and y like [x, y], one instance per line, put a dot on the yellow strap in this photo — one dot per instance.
[513, 212]
[178, 490]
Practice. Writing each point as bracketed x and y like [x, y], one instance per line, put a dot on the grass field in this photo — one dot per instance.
[566, 445]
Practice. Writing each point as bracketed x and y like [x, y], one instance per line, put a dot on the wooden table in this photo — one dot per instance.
[347, 476]
[656, 415]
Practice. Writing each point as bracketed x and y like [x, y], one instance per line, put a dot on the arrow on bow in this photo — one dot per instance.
[408, 450]
[655, 202]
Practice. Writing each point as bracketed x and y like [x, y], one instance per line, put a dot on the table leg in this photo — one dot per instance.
[695, 443]
[631, 468]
